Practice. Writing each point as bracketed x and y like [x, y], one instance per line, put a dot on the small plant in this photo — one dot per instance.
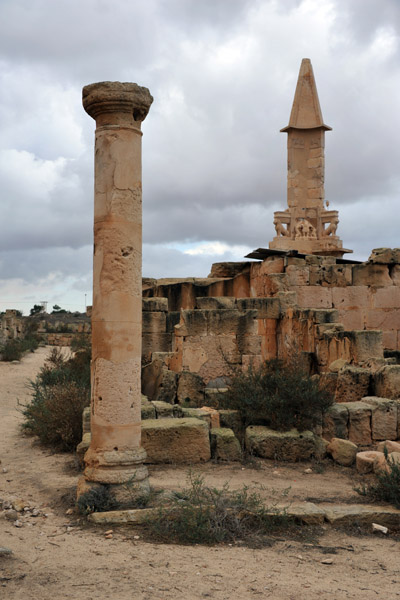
[60, 393]
[387, 485]
[207, 515]
[98, 499]
[280, 394]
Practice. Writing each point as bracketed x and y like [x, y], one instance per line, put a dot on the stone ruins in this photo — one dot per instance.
[165, 348]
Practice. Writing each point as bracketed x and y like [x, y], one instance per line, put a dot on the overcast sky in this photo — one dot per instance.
[223, 75]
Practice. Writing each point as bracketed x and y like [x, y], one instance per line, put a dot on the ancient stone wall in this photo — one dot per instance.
[11, 326]
[366, 295]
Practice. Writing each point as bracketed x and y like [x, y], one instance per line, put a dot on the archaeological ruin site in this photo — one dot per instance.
[163, 350]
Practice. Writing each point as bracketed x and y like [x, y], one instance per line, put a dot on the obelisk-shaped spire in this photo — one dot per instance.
[306, 110]
[305, 225]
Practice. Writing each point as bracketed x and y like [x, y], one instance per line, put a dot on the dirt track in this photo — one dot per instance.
[57, 557]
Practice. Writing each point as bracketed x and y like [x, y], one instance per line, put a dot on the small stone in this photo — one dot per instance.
[35, 512]
[11, 514]
[308, 471]
[5, 470]
[5, 551]
[381, 528]
[327, 561]
[18, 523]
[70, 511]
[136, 537]
[18, 505]
[108, 532]
[109, 536]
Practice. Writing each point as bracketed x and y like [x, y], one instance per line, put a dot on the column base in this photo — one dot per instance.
[122, 472]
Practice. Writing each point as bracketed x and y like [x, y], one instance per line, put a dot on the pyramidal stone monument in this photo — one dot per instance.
[306, 225]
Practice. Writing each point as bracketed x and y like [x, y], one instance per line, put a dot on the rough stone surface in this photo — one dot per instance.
[224, 445]
[363, 514]
[180, 441]
[288, 445]
[383, 418]
[359, 423]
[365, 461]
[335, 423]
[190, 389]
[390, 445]
[352, 384]
[342, 451]
[387, 381]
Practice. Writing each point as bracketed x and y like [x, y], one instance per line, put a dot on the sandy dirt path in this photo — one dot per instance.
[56, 557]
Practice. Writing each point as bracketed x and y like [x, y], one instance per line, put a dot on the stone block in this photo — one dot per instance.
[275, 283]
[385, 319]
[166, 391]
[231, 419]
[213, 303]
[383, 418]
[148, 410]
[389, 340]
[273, 264]
[335, 423]
[193, 322]
[173, 319]
[314, 297]
[221, 322]
[359, 423]
[381, 464]
[352, 384]
[352, 318]
[249, 344]
[163, 410]
[322, 315]
[209, 416]
[355, 297]
[180, 441]
[387, 382]
[224, 445]
[387, 298]
[83, 446]
[390, 445]
[277, 445]
[155, 304]
[365, 345]
[154, 322]
[155, 342]
[374, 275]
[190, 389]
[298, 275]
[365, 461]
[342, 451]
[267, 308]
[385, 256]
[395, 274]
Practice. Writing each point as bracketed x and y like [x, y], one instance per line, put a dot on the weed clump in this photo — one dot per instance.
[15, 348]
[386, 486]
[59, 394]
[98, 499]
[279, 394]
[207, 515]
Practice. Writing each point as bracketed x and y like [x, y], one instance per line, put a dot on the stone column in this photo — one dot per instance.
[115, 455]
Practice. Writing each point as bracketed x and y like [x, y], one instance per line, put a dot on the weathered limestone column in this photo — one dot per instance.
[115, 455]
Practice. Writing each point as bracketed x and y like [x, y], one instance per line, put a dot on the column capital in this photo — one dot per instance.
[113, 102]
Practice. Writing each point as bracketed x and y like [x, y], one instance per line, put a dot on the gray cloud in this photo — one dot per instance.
[223, 76]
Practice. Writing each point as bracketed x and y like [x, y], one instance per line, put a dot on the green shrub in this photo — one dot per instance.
[206, 515]
[279, 394]
[60, 393]
[387, 485]
[15, 349]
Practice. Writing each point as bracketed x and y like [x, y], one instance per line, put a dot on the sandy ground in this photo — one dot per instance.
[56, 556]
